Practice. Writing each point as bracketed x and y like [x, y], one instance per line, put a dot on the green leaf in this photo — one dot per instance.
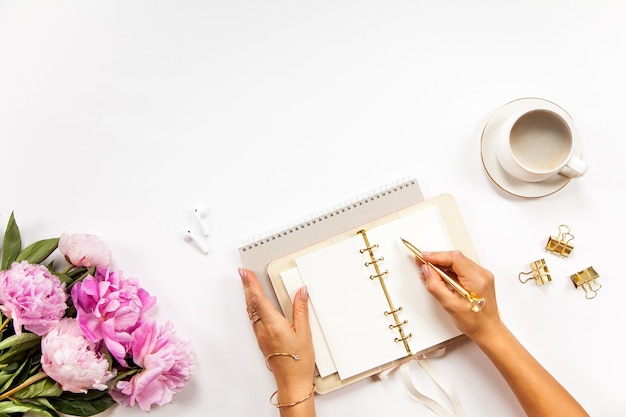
[42, 412]
[15, 345]
[12, 244]
[45, 404]
[9, 368]
[64, 278]
[43, 401]
[78, 272]
[15, 377]
[36, 408]
[75, 275]
[24, 347]
[43, 388]
[93, 402]
[4, 378]
[16, 340]
[38, 251]
[9, 407]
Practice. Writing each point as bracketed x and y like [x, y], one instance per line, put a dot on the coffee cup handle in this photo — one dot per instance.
[574, 168]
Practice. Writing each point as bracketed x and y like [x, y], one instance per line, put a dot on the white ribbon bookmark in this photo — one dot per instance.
[437, 378]
[441, 381]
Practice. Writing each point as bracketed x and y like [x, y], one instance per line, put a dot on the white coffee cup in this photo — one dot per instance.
[534, 144]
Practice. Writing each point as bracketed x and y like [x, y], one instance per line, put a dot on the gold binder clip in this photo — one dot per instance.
[539, 271]
[587, 280]
[560, 244]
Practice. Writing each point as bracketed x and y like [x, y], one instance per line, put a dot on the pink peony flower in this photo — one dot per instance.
[84, 250]
[32, 296]
[109, 308]
[72, 361]
[167, 364]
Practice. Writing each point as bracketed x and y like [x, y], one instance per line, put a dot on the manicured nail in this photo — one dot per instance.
[304, 293]
[425, 271]
[243, 273]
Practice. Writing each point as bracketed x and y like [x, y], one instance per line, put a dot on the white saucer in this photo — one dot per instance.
[502, 178]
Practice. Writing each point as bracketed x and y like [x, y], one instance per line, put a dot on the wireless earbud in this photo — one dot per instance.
[191, 237]
[203, 219]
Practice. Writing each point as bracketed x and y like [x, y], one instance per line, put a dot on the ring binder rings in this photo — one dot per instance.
[586, 279]
[403, 339]
[393, 311]
[368, 248]
[374, 262]
[394, 326]
[381, 275]
[539, 271]
[560, 244]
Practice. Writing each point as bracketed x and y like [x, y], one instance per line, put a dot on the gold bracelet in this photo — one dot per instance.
[267, 358]
[278, 405]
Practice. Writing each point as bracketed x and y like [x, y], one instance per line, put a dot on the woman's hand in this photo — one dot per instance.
[276, 335]
[539, 393]
[472, 277]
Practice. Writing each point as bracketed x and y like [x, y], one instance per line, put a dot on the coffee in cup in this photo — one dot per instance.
[536, 144]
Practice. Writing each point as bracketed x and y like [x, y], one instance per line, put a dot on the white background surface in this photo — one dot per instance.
[118, 117]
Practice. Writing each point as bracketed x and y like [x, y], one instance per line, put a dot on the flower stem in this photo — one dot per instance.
[37, 377]
[68, 269]
[4, 323]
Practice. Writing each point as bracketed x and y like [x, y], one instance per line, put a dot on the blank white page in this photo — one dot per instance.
[350, 306]
[323, 358]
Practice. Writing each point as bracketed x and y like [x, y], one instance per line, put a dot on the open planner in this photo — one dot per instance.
[369, 310]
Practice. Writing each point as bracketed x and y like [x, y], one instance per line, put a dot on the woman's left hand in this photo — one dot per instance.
[276, 335]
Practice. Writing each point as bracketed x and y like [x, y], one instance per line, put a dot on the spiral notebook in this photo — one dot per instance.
[356, 332]
[257, 252]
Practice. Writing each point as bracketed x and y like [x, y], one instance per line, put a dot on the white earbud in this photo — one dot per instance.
[191, 237]
[203, 218]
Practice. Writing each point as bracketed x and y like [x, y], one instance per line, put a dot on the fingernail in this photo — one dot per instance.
[304, 293]
[243, 273]
[425, 271]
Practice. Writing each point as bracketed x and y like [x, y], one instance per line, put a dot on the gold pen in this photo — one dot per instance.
[477, 303]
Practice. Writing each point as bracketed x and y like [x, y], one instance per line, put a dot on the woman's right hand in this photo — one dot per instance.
[474, 278]
[539, 393]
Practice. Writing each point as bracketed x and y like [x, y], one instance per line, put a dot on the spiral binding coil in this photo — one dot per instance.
[260, 240]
